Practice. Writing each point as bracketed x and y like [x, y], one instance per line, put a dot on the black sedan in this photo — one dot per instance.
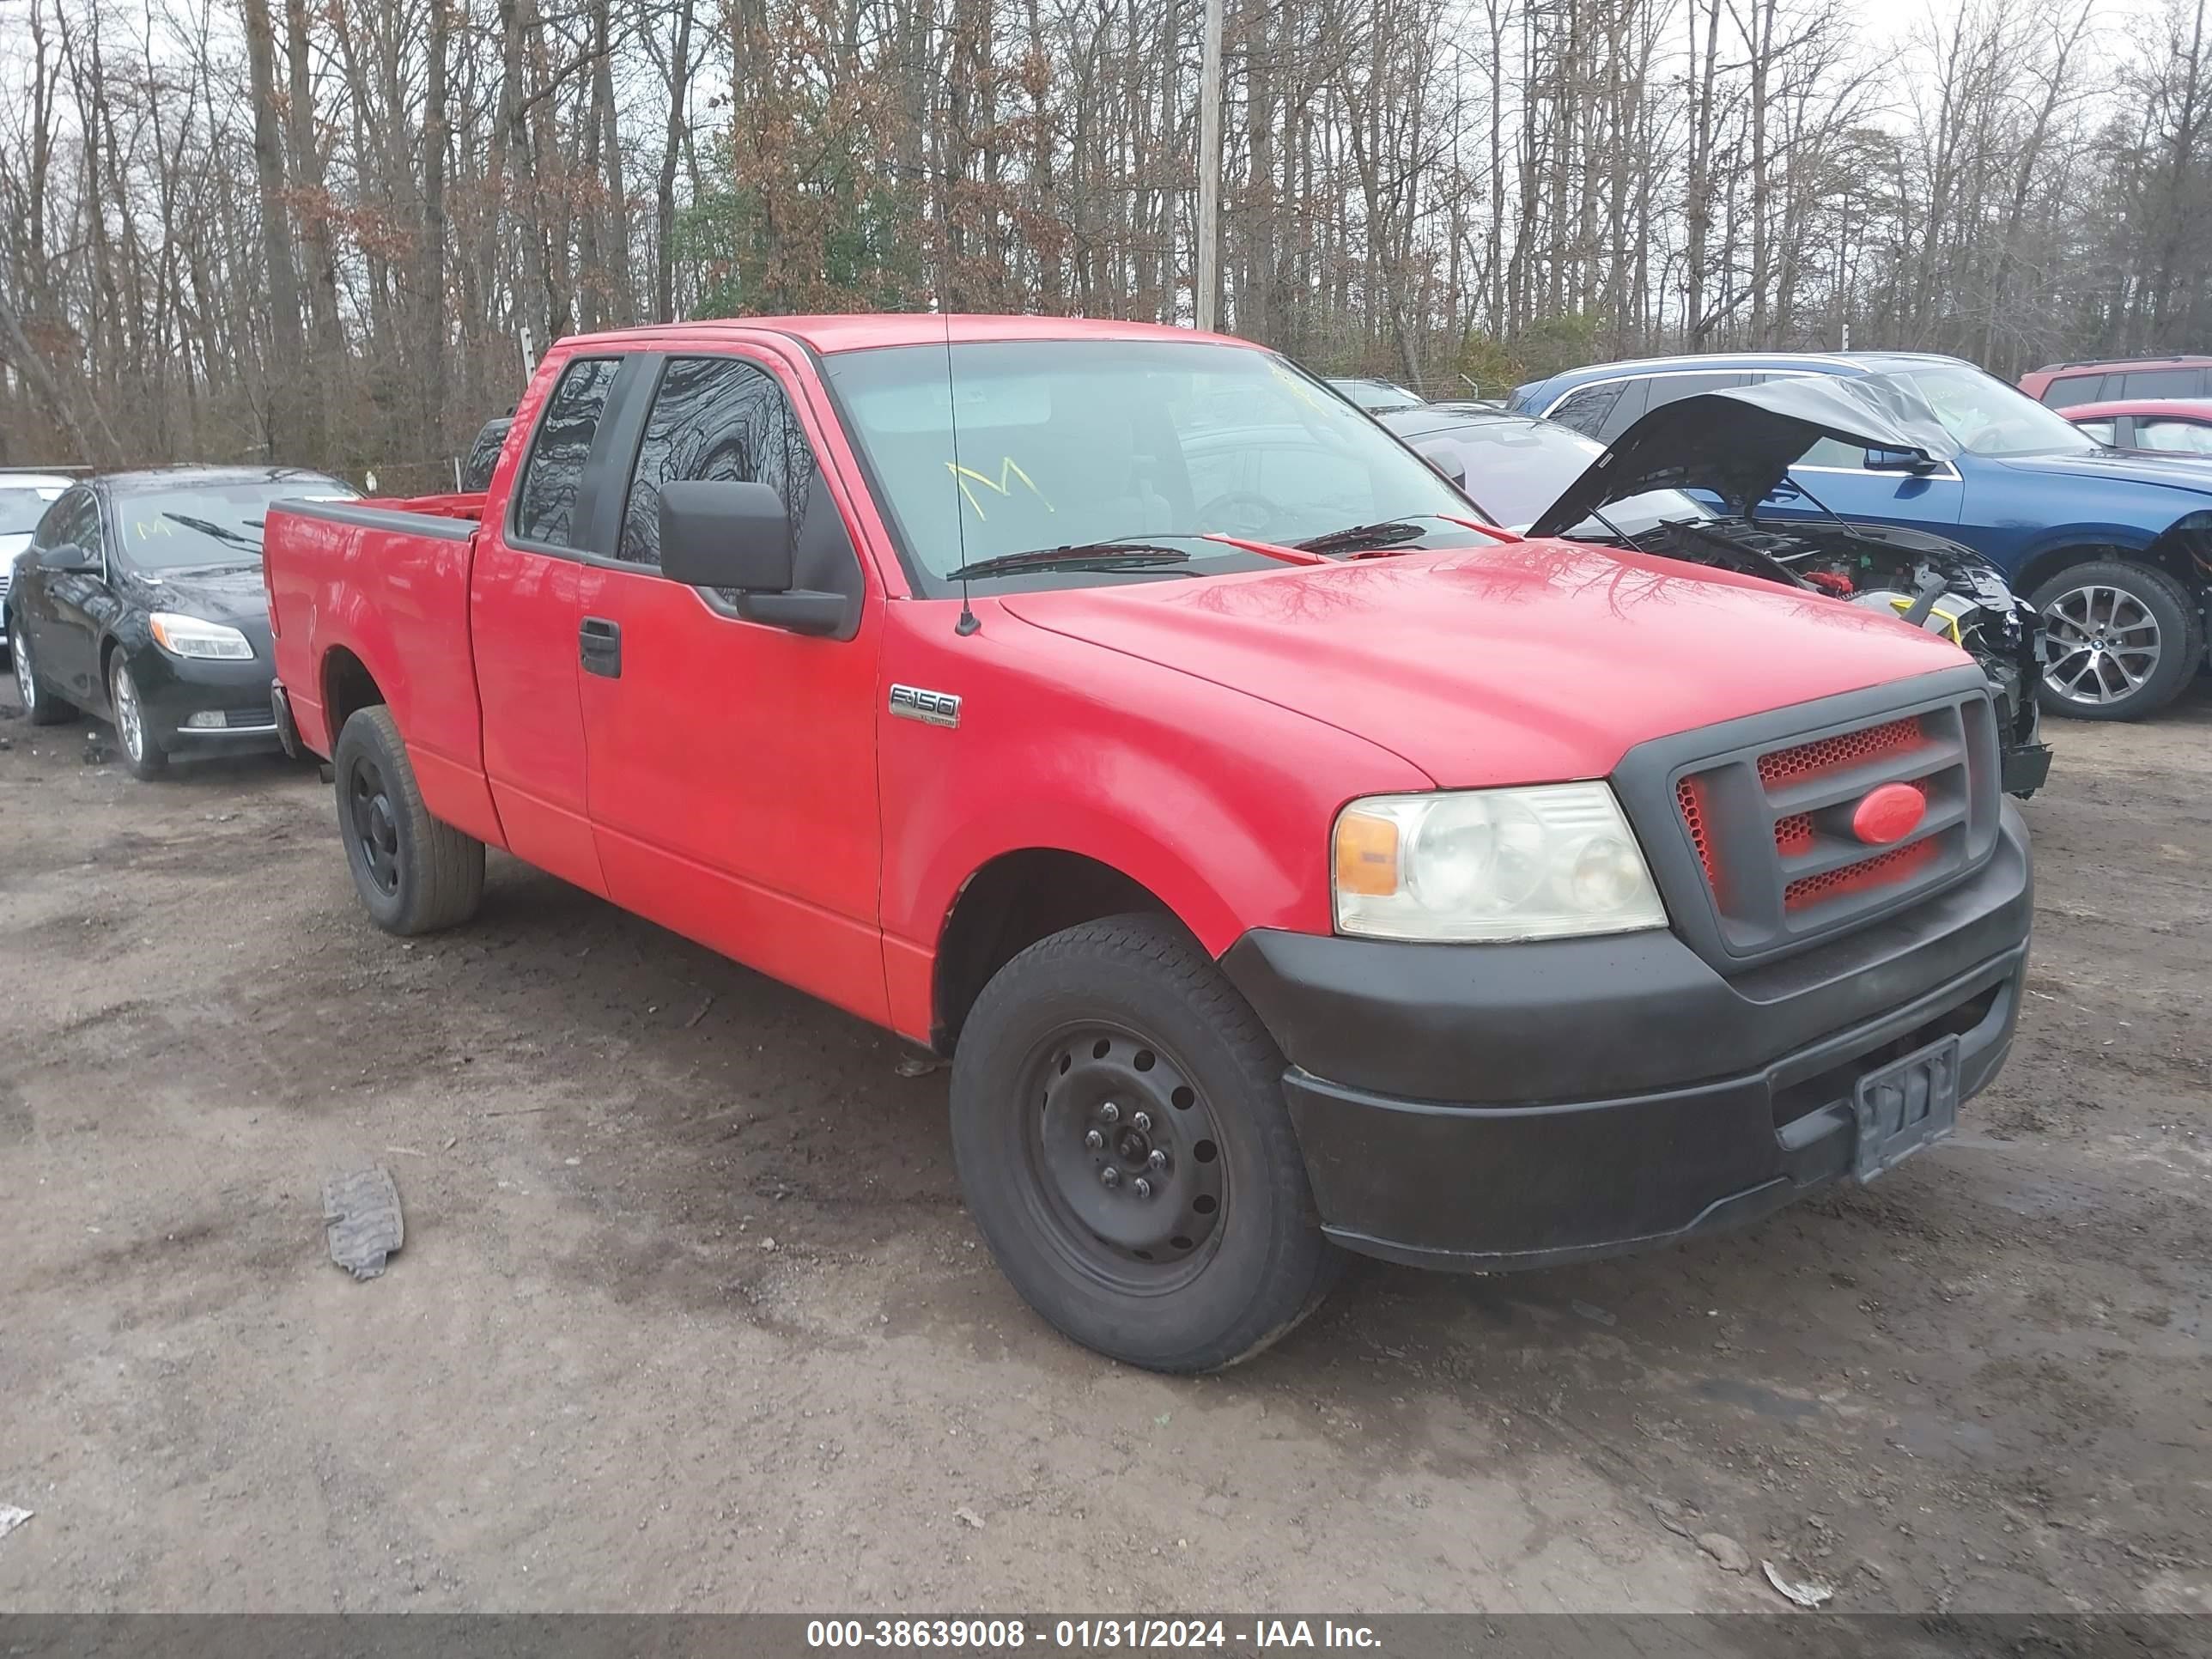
[139, 601]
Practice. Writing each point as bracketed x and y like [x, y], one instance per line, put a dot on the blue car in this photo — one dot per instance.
[2115, 550]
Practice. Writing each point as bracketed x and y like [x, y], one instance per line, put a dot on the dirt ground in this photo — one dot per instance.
[689, 1315]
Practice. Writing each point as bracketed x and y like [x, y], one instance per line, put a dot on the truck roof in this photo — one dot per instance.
[862, 331]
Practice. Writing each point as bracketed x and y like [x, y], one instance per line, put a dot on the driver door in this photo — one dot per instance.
[731, 763]
[66, 645]
[1837, 476]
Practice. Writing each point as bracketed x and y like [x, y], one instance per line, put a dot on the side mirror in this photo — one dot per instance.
[1447, 464]
[1898, 461]
[66, 558]
[738, 535]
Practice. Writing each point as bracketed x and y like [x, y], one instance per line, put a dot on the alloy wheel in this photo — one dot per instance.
[27, 686]
[130, 717]
[2104, 643]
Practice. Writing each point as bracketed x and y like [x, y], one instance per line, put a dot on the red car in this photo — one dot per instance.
[1289, 862]
[2150, 425]
[2067, 386]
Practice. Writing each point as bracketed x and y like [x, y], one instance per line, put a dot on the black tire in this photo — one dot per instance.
[2072, 630]
[414, 874]
[40, 706]
[1155, 1021]
[142, 751]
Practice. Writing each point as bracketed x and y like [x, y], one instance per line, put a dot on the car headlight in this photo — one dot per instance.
[188, 636]
[1546, 862]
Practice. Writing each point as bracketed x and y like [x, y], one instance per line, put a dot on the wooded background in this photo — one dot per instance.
[319, 230]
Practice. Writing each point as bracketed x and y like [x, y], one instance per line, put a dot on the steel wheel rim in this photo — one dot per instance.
[26, 688]
[130, 721]
[2105, 644]
[1096, 1077]
[375, 825]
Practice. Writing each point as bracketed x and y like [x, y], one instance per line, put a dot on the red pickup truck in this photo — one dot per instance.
[1289, 861]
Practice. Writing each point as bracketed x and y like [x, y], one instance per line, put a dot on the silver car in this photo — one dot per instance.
[24, 499]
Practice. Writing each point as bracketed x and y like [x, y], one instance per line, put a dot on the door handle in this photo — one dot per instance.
[598, 647]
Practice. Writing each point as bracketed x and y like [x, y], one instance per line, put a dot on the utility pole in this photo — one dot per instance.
[1209, 168]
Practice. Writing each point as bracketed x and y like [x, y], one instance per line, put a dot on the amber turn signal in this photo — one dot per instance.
[1366, 855]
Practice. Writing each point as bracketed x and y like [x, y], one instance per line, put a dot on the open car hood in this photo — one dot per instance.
[1738, 443]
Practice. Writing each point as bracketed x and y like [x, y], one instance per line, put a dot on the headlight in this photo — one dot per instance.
[188, 636]
[1546, 862]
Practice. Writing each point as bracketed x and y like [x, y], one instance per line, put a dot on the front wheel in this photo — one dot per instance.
[2123, 640]
[141, 750]
[414, 873]
[1119, 1127]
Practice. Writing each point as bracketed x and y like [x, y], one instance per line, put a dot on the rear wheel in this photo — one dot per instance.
[1118, 1127]
[414, 874]
[143, 750]
[2123, 639]
[40, 706]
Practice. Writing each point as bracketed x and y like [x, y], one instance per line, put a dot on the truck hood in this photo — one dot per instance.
[1531, 662]
[1740, 442]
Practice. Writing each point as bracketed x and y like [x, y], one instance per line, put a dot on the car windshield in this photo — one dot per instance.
[1985, 416]
[22, 507]
[182, 525]
[1517, 468]
[1064, 443]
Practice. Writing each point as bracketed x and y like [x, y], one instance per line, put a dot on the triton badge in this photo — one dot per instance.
[930, 707]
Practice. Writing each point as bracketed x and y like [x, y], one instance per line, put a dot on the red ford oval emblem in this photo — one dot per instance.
[1889, 813]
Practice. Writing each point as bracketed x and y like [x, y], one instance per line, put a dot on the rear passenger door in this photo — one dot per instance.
[732, 762]
[526, 605]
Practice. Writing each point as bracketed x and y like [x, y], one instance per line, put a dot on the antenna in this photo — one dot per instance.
[968, 623]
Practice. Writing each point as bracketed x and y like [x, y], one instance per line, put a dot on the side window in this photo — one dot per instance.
[2159, 383]
[1673, 388]
[54, 522]
[2101, 430]
[545, 507]
[2066, 390]
[74, 517]
[1586, 409]
[1635, 399]
[1834, 452]
[2172, 436]
[719, 420]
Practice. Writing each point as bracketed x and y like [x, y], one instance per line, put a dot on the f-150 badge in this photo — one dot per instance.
[930, 707]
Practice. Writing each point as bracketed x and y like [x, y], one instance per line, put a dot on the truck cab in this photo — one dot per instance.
[1290, 862]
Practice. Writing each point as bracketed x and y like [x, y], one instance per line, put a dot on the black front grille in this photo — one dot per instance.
[1748, 826]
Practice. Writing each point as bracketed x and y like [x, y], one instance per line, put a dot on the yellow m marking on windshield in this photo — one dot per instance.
[1008, 471]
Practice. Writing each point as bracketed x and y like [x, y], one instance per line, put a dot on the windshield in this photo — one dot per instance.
[1985, 416]
[1066, 443]
[1517, 468]
[21, 507]
[211, 523]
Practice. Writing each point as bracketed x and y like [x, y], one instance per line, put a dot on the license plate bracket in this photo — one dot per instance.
[1905, 1105]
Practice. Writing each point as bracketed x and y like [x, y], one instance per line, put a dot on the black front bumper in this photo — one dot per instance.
[1483, 1106]
[171, 690]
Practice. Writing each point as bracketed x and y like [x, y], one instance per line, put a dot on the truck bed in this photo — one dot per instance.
[348, 581]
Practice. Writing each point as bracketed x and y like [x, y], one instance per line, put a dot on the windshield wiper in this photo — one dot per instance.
[220, 531]
[1388, 532]
[1129, 554]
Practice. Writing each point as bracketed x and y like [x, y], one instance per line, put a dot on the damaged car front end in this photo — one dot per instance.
[1709, 461]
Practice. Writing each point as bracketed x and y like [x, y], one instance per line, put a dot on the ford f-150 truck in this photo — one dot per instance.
[1290, 861]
